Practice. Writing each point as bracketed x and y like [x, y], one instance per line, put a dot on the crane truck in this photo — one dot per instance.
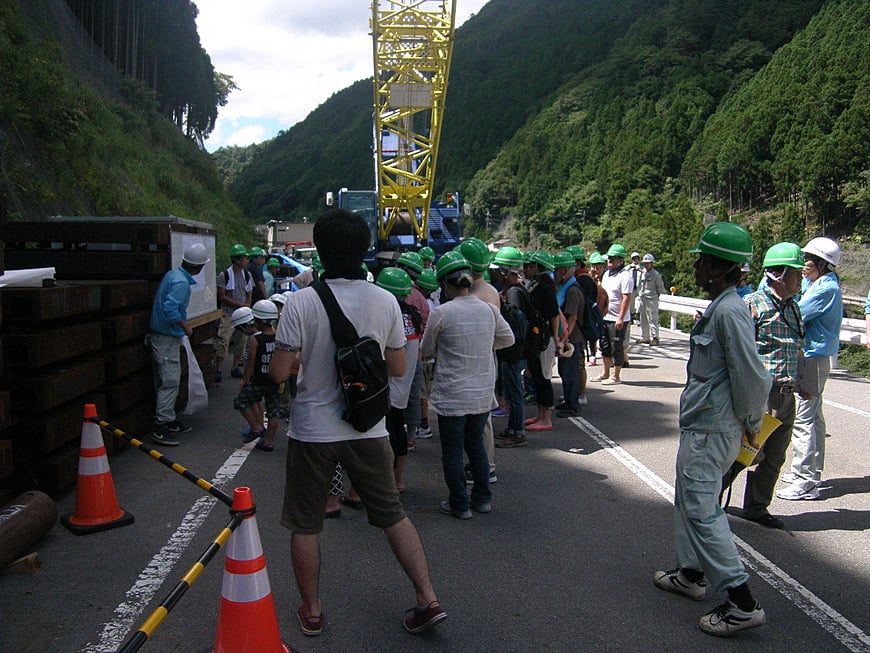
[413, 46]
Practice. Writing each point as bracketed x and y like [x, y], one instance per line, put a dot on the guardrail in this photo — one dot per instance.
[852, 331]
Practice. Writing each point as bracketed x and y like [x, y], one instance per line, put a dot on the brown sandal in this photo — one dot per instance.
[311, 626]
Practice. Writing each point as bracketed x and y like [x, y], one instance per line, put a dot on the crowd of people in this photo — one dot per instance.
[470, 337]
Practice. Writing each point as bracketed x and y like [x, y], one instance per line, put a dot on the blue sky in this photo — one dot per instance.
[287, 57]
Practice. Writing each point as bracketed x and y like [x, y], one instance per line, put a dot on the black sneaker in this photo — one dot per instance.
[177, 427]
[568, 412]
[162, 435]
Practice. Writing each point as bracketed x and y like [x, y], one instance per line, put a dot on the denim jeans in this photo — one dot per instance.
[464, 432]
[569, 371]
[512, 386]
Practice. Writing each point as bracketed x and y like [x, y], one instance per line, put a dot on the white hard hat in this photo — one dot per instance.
[635, 255]
[649, 258]
[745, 267]
[242, 315]
[825, 248]
[278, 297]
[265, 310]
[195, 254]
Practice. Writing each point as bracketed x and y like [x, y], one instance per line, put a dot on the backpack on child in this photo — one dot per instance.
[519, 325]
[593, 322]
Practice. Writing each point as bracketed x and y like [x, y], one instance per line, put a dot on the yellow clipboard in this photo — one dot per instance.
[746, 456]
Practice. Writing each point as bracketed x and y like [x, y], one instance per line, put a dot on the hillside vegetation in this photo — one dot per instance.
[589, 121]
[72, 146]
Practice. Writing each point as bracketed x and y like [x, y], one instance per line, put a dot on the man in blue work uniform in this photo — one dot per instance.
[168, 326]
[724, 398]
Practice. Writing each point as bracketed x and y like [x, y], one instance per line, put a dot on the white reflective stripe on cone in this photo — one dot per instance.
[245, 542]
[245, 588]
[93, 466]
[91, 437]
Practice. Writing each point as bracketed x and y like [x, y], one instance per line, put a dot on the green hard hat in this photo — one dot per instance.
[256, 251]
[509, 257]
[238, 250]
[427, 253]
[787, 254]
[577, 252]
[273, 263]
[725, 240]
[396, 281]
[476, 253]
[564, 260]
[427, 280]
[411, 260]
[595, 258]
[617, 250]
[543, 259]
[450, 262]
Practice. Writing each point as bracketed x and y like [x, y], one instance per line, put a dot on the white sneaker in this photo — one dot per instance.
[674, 581]
[600, 378]
[788, 478]
[611, 381]
[582, 400]
[795, 492]
[728, 619]
[423, 433]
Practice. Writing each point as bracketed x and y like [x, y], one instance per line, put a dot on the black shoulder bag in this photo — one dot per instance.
[362, 370]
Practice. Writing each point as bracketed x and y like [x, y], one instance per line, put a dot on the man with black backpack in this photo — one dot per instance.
[516, 310]
[592, 323]
[321, 432]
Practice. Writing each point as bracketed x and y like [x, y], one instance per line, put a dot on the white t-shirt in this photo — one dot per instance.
[616, 286]
[462, 335]
[315, 415]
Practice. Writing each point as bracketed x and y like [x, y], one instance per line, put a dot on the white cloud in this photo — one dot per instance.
[287, 57]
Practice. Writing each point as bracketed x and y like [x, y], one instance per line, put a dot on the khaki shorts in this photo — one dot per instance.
[308, 476]
[223, 337]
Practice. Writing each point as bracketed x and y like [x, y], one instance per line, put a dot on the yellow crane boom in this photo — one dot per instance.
[413, 45]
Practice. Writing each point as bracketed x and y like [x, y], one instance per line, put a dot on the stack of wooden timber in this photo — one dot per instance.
[81, 341]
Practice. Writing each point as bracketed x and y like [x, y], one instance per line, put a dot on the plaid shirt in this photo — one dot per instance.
[779, 333]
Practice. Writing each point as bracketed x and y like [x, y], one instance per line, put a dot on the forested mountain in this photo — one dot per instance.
[590, 120]
[101, 116]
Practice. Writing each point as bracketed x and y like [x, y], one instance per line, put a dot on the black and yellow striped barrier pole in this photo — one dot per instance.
[163, 460]
[147, 629]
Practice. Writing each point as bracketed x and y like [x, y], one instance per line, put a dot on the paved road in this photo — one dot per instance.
[581, 519]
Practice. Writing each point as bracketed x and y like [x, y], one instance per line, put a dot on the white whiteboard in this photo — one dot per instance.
[203, 296]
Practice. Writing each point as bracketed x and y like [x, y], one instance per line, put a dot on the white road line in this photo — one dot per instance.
[835, 404]
[852, 637]
[152, 577]
[666, 353]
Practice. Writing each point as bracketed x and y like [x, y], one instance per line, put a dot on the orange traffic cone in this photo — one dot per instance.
[96, 503]
[247, 622]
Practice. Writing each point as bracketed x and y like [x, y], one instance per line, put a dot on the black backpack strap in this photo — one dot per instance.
[343, 331]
